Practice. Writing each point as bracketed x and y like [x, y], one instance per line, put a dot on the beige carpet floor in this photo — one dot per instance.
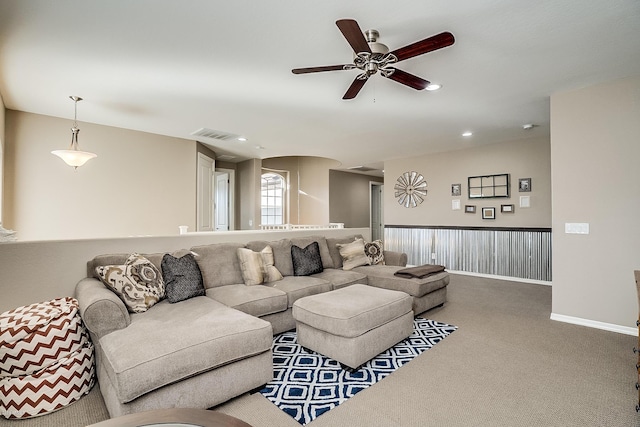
[506, 365]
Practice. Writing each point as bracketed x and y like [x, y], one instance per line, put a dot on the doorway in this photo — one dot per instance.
[224, 211]
[376, 216]
[204, 204]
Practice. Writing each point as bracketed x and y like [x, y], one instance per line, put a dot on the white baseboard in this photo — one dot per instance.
[595, 324]
[494, 276]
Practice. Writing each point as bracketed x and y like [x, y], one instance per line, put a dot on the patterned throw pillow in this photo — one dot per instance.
[257, 267]
[182, 277]
[307, 260]
[138, 282]
[353, 254]
[375, 252]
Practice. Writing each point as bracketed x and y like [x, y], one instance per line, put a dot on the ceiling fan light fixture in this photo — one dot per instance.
[72, 156]
[433, 86]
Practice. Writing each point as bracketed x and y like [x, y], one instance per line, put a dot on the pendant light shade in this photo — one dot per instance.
[72, 156]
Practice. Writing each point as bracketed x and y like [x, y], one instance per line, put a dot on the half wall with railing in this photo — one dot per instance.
[512, 252]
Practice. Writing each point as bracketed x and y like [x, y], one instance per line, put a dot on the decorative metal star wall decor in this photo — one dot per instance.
[410, 189]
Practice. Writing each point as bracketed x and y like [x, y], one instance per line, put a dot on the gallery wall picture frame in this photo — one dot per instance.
[524, 185]
[470, 209]
[489, 213]
[507, 208]
[489, 186]
[456, 189]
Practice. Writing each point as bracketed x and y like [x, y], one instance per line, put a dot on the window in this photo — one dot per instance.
[272, 199]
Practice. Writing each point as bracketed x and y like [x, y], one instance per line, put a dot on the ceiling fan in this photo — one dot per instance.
[371, 57]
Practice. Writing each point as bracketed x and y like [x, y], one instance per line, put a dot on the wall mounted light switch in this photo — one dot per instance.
[576, 227]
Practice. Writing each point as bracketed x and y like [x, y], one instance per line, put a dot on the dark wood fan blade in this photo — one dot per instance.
[408, 79]
[354, 88]
[423, 46]
[318, 69]
[352, 32]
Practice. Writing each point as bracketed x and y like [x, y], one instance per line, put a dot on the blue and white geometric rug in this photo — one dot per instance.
[308, 384]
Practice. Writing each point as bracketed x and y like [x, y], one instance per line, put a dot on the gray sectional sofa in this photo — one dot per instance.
[207, 349]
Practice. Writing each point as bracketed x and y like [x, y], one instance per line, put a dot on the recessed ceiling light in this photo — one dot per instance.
[468, 133]
[433, 86]
[242, 139]
[528, 126]
[259, 147]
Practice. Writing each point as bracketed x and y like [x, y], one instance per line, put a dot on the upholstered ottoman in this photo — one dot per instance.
[46, 358]
[353, 324]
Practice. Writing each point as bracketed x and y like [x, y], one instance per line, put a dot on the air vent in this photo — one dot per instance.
[215, 134]
[361, 169]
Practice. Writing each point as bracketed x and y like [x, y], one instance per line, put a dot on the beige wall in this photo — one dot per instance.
[2, 126]
[140, 184]
[349, 195]
[527, 158]
[248, 176]
[595, 151]
[314, 189]
[308, 187]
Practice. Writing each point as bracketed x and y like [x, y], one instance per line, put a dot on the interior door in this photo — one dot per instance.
[222, 201]
[377, 221]
[204, 208]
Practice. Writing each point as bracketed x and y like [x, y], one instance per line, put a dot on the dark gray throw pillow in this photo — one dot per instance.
[182, 278]
[307, 260]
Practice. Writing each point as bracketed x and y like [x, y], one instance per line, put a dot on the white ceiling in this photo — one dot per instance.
[172, 67]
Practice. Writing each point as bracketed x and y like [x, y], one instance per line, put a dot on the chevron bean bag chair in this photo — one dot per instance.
[46, 358]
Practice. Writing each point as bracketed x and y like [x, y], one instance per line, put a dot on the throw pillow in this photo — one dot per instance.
[182, 277]
[257, 267]
[307, 260]
[271, 273]
[138, 282]
[375, 252]
[353, 254]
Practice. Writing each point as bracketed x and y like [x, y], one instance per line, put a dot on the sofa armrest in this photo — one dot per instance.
[100, 309]
[395, 258]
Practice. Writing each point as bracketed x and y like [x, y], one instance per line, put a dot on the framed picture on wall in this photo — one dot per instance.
[488, 213]
[470, 209]
[524, 185]
[456, 189]
[506, 208]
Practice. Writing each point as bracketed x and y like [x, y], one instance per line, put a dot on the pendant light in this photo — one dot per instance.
[73, 156]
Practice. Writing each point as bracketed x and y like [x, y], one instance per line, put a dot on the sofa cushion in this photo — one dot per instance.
[327, 261]
[137, 282]
[353, 254]
[219, 264]
[334, 251]
[254, 300]
[257, 267]
[382, 276]
[180, 341]
[306, 261]
[375, 252]
[300, 286]
[281, 254]
[182, 276]
[341, 278]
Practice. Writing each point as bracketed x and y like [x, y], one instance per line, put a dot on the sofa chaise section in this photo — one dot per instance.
[194, 353]
[427, 292]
